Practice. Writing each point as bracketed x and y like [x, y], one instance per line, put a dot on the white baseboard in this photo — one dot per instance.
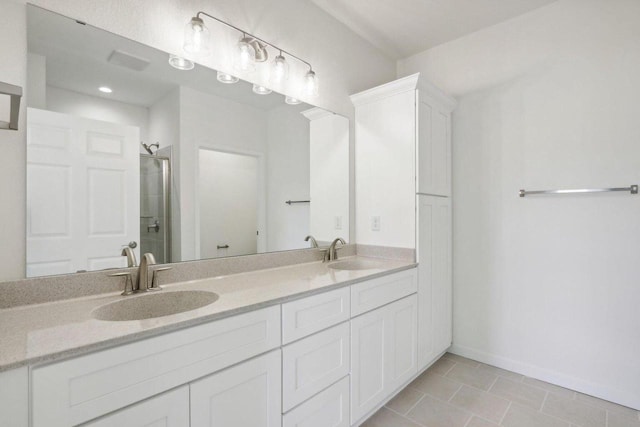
[598, 390]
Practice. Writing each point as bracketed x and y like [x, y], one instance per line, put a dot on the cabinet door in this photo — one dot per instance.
[246, 395]
[329, 408]
[434, 278]
[383, 354]
[169, 409]
[434, 148]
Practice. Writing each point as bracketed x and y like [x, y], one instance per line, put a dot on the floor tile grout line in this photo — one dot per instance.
[401, 416]
[606, 418]
[416, 404]
[505, 412]
[456, 392]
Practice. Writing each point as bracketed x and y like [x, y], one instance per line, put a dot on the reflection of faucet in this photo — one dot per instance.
[131, 256]
[332, 251]
[314, 244]
[143, 272]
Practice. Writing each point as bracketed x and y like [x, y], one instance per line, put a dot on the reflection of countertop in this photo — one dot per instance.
[45, 332]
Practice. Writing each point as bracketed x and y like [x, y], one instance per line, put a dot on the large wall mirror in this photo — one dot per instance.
[124, 150]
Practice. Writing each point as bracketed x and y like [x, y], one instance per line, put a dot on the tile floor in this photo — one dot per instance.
[459, 392]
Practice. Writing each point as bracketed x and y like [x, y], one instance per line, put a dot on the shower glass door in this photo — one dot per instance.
[155, 221]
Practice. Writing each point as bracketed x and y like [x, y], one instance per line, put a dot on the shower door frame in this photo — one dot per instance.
[166, 193]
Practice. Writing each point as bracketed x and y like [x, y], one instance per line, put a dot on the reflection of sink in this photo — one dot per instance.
[154, 305]
[355, 265]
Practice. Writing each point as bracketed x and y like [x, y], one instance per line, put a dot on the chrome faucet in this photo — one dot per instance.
[143, 272]
[332, 252]
[314, 243]
[131, 256]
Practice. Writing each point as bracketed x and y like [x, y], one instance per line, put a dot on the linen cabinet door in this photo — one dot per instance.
[246, 395]
[442, 276]
[170, 409]
[401, 342]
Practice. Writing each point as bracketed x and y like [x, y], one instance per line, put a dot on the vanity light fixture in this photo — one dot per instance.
[226, 78]
[291, 100]
[105, 89]
[181, 63]
[251, 50]
[261, 90]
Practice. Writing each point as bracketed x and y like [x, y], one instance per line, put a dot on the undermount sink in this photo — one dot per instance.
[149, 306]
[355, 265]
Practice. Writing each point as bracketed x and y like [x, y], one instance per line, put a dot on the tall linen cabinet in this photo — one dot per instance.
[403, 192]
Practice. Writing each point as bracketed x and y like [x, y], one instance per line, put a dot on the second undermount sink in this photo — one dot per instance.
[358, 264]
[149, 306]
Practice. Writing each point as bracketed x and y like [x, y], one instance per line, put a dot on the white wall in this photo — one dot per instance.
[344, 62]
[548, 286]
[97, 108]
[36, 93]
[287, 178]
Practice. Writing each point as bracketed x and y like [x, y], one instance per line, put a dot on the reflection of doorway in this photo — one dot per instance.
[228, 195]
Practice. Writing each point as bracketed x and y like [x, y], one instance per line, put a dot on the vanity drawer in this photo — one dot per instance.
[374, 293]
[312, 364]
[77, 390]
[329, 408]
[315, 313]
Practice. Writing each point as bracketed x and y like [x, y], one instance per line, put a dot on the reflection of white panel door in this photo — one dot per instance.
[228, 197]
[82, 193]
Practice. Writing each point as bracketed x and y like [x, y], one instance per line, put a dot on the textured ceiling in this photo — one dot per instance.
[402, 28]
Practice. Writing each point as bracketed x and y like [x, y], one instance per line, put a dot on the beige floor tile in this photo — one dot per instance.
[480, 403]
[436, 385]
[604, 404]
[387, 418]
[442, 366]
[434, 413]
[460, 359]
[405, 400]
[575, 412]
[616, 419]
[561, 391]
[501, 372]
[519, 393]
[472, 376]
[521, 416]
[479, 422]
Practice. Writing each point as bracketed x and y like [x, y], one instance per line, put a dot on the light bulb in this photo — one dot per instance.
[291, 100]
[226, 78]
[261, 90]
[181, 63]
[310, 86]
[245, 55]
[197, 38]
[279, 69]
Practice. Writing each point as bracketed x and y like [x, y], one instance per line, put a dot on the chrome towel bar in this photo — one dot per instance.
[290, 202]
[633, 189]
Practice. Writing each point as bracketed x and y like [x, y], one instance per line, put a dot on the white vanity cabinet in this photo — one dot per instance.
[383, 354]
[246, 395]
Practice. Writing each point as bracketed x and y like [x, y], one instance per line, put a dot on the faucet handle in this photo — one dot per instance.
[128, 281]
[154, 278]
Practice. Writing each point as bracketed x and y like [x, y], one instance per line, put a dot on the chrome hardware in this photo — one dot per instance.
[314, 243]
[332, 252]
[154, 278]
[15, 94]
[143, 272]
[155, 226]
[223, 246]
[633, 189]
[131, 256]
[291, 202]
[128, 282]
[133, 244]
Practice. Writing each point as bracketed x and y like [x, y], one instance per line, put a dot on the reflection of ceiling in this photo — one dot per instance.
[401, 28]
[77, 59]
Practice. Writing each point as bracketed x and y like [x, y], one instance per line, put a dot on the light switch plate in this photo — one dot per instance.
[375, 223]
[338, 223]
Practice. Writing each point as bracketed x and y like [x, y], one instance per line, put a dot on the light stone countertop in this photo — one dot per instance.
[51, 331]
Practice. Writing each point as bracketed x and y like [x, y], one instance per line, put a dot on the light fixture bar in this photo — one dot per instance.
[254, 37]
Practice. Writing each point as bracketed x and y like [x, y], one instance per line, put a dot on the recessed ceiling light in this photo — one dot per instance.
[105, 89]
[292, 101]
[227, 78]
[181, 63]
[261, 90]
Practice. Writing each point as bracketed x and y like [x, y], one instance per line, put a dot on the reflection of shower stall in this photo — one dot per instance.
[155, 209]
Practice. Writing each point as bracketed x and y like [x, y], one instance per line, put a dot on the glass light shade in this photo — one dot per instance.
[311, 84]
[226, 78]
[279, 69]
[197, 39]
[245, 61]
[292, 101]
[261, 90]
[181, 63]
